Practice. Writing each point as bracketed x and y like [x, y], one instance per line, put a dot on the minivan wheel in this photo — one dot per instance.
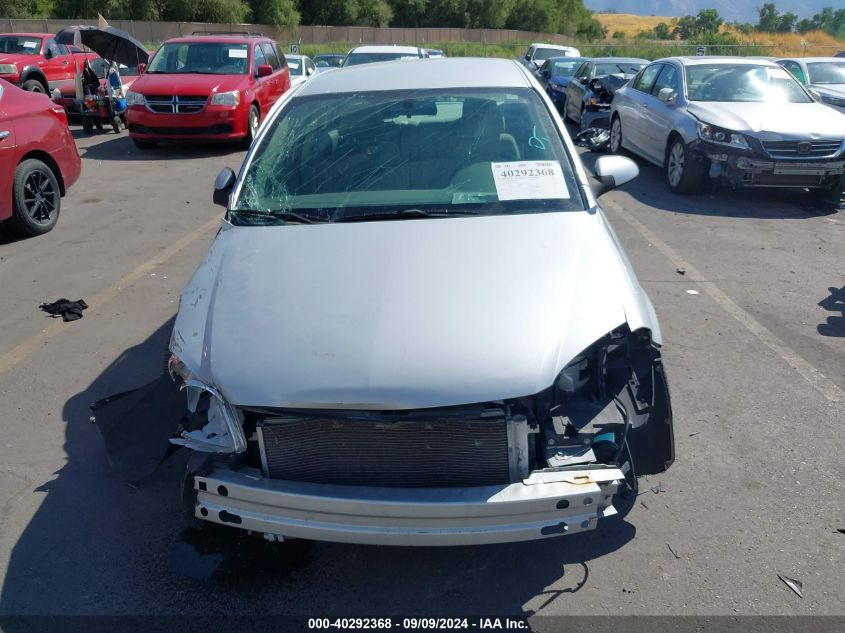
[684, 171]
[615, 135]
[252, 123]
[36, 198]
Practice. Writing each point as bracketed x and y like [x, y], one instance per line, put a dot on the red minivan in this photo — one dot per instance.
[206, 87]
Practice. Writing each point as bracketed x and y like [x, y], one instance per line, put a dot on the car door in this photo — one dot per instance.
[263, 85]
[658, 116]
[576, 89]
[8, 162]
[58, 65]
[275, 85]
[632, 108]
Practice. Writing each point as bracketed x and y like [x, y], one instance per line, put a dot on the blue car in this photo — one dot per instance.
[555, 75]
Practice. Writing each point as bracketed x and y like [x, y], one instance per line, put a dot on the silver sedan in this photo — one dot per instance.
[416, 326]
[746, 122]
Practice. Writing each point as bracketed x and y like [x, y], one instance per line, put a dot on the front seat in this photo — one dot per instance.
[489, 141]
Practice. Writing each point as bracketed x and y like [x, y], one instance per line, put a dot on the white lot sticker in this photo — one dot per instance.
[530, 180]
[777, 73]
[237, 53]
[30, 44]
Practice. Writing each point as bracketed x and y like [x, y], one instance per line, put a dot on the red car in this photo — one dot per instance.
[207, 87]
[38, 159]
[35, 62]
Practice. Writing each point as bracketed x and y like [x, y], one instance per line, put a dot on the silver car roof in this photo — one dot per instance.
[717, 59]
[454, 72]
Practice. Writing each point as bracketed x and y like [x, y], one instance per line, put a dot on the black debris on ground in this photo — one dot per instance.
[681, 270]
[65, 308]
[674, 553]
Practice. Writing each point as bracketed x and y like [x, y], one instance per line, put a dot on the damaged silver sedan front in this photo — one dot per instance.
[415, 326]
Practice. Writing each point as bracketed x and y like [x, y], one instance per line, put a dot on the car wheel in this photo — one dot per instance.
[252, 122]
[830, 198]
[33, 85]
[615, 135]
[36, 198]
[144, 144]
[115, 124]
[87, 125]
[684, 171]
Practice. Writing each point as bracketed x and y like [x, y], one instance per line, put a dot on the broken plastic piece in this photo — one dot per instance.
[793, 584]
[692, 292]
[681, 270]
[658, 488]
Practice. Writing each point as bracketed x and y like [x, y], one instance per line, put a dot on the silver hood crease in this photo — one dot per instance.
[404, 314]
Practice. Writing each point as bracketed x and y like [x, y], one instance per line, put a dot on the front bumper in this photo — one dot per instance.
[213, 123]
[748, 169]
[545, 504]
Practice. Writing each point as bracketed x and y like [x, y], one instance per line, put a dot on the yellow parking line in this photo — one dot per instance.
[34, 343]
[816, 378]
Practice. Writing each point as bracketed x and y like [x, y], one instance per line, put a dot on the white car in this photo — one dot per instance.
[538, 53]
[825, 76]
[370, 54]
[301, 68]
[416, 326]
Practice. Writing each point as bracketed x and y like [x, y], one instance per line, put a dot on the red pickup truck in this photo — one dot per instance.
[36, 62]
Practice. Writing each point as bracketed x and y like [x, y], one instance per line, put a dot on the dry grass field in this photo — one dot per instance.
[631, 24]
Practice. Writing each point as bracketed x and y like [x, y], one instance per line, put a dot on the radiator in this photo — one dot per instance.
[404, 453]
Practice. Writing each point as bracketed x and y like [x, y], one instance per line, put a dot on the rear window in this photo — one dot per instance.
[827, 72]
[202, 58]
[350, 156]
[565, 68]
[354, 59]
[20, 45]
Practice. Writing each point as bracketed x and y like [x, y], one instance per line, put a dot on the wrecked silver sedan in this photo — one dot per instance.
[415, 326]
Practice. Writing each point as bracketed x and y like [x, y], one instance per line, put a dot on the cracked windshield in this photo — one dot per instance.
[415, 154]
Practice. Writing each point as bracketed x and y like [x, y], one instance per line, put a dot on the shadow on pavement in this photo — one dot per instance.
[121, 147]
[650, 189]
[97, 545]
[835, 302]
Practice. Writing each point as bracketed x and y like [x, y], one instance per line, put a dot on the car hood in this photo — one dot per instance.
[830, 90]
[187, 84]
[21, 60]
[773, 122]
[403, 314]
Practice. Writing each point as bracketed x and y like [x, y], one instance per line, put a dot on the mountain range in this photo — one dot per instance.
[730, 10]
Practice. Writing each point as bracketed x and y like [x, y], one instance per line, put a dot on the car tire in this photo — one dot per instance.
[145, 145]
[36, 198]
[33, 85]
[87, 125]
[615, 142]
[684, 170]
[831, 198]
[253, 120]
[115, 124]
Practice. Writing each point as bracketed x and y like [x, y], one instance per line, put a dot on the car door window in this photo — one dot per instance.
[668, 78]
[282, 59]
[796, 70]
[584, 72]
[260, 60]
[53, 48]
[310, 68]
[646, 78]
[270, 55]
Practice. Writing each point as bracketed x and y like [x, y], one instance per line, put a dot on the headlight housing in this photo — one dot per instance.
[134, 98]
[8, 69]
[222, 425]
[232, 98]
[721, 136]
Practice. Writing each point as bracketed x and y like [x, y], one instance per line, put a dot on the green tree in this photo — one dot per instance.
[786, 22]
[27, 9]
[707, 22]
[221, 11]
[374, 13]
[618, 35]
[662, 31]
[487, 14]
[768, 18]
[274, 12]
[409, 13]
[686, 28]
[805, 25]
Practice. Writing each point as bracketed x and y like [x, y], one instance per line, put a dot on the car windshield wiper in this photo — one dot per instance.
[286, 216]
[400, 214]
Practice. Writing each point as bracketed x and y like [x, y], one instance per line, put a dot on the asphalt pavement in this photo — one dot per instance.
[754, 345]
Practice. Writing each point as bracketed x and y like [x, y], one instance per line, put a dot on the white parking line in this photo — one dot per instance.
[817, 379]
[36, 342]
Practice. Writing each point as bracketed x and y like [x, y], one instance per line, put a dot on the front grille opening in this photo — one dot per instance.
[404, 453]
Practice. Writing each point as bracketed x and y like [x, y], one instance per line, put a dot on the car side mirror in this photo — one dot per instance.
[265, 70]
[223, 186]
[667, 95]
[309, 71]
[612, 172]
[48, 54]
[141, 68]
[545, 72]
[814, 94]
